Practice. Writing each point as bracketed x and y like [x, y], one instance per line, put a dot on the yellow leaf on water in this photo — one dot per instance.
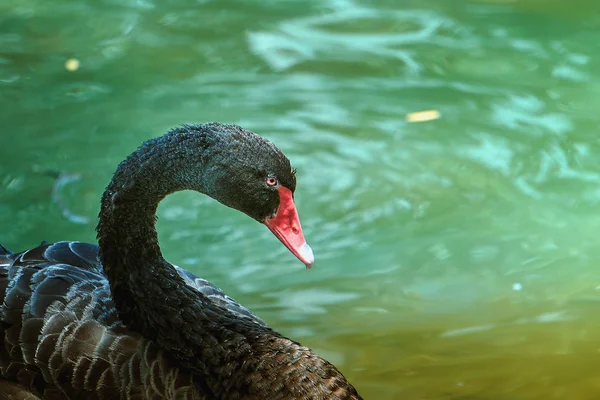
[422, 116]
[72, 64]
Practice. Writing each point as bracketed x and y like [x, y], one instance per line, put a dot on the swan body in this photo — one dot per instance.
[117, 321]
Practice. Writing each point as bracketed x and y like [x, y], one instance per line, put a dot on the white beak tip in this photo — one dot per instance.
[307, 255]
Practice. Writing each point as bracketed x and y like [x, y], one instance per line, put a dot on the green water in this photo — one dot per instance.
[456, 258]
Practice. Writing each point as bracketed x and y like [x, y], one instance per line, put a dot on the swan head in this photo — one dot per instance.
[245, 171]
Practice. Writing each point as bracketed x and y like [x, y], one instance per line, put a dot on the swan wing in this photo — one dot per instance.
[60, 335]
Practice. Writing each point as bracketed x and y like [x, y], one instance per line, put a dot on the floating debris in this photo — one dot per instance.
[422, 116]
[60, 180]
[72, 64]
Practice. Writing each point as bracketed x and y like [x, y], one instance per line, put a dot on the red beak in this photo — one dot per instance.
[285, 225]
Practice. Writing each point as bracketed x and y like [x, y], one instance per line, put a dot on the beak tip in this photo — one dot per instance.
[306, 255]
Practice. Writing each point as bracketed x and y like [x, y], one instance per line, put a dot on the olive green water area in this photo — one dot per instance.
[456, 258]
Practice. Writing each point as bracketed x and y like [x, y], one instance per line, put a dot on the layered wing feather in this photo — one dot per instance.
[61, 337]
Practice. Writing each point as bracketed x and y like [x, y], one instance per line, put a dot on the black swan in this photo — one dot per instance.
[117, 321]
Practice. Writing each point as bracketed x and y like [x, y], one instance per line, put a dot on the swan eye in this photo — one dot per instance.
[271, 181]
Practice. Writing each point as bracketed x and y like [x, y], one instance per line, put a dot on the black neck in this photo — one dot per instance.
[152, 299]
[126, 229]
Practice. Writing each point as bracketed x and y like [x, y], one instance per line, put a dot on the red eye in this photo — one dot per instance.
[271, 181]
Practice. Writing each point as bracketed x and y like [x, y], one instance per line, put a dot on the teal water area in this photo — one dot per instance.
[457, 258]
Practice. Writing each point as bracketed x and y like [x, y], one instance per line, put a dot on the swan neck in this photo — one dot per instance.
[129, 248]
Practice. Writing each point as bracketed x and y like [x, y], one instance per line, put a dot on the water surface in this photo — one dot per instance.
[456, 258]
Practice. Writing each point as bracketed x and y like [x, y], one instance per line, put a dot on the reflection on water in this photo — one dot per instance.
[456, 259]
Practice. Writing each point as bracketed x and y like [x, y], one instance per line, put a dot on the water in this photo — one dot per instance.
[456, 258]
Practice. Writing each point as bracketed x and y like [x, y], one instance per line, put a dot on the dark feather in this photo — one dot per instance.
[60, 331]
